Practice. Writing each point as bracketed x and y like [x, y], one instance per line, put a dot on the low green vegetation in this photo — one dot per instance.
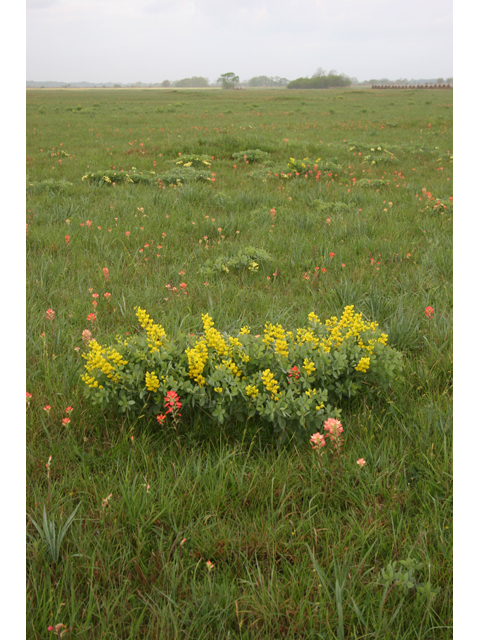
[189, 314]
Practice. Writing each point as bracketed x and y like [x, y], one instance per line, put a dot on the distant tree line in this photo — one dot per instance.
[266, 81]
[321, 80]
[193, 82]
[405, 82]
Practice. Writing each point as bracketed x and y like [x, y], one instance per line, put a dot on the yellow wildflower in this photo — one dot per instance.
[251, 390]
[363, 365]
[308, 366]
[270, 383]
[151, 381]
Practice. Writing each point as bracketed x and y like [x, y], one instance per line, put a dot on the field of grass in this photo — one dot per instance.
[220, 532]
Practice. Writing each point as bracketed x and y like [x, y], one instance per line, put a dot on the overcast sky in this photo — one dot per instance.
[153, 40]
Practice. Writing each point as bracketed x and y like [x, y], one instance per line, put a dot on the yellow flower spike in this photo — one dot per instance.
[363, 365]
[270, 383]
[152, 383]
[197, 358]
[308, 366]
[155, 332]
[251, 391]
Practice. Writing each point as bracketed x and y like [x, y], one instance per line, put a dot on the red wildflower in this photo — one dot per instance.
[294, 373]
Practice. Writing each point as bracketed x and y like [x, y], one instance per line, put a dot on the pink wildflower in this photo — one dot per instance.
[332, 427]
[317, 441]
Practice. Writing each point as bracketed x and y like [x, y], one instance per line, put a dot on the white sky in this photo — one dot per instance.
[153, 40]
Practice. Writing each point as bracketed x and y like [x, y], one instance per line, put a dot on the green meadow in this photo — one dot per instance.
[202, 528]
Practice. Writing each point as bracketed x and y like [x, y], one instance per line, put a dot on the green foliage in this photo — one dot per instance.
[252, 155]
[50, 537]
[182, 175]
[403, 576]
[372, 183]
[48, 185]
[222, 200]
[246, 258]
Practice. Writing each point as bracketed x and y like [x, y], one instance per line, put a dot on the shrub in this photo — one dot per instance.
[194, 161]
[303, 167]
[181, 175]
[307, 166]
[292, 380]
[246, 258]
[130, 177]
[251, 155]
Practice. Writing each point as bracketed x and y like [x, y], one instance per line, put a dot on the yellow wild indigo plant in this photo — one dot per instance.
[294, 380]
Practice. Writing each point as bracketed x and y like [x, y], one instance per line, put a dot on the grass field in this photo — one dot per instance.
[220, 532]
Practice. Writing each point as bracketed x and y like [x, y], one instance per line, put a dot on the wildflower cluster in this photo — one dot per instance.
[195, 161]
[332, 430]
[373, 155]
[433, 204]
[305, 168]
[113, 177]
[291, 379]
